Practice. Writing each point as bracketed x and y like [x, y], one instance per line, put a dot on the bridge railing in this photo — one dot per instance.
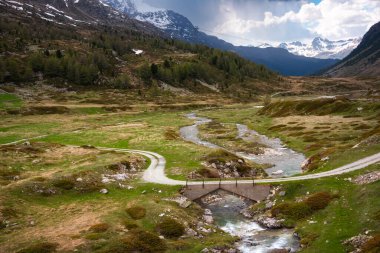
[221, 180]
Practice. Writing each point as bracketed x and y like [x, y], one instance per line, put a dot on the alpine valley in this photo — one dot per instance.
[126, 129]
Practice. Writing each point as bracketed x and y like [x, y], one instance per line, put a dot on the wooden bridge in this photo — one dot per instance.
[250, 191]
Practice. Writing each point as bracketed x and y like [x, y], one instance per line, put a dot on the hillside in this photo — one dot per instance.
[364, 60]
[177, 26]
[102, 53]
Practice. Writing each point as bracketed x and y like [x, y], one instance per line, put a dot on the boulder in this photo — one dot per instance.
[268, 222]
[208, 219]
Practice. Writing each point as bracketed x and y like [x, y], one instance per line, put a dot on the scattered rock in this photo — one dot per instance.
[357, 242]
[103, 191]
[269, 205]
[367, 178]
[268, 222]
[208, 219]
[278, 172]
[79, 179]
[181, 200]
[282, 193]
[246, 213]
[211, 199]
[190, 232]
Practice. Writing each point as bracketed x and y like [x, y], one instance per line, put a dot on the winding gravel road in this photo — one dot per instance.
[155, 173]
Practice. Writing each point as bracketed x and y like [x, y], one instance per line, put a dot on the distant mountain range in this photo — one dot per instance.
[362, 61]
[322, 48]
[295, 58]
[177, 26]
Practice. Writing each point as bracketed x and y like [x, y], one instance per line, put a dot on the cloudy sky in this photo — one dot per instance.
[252, 22]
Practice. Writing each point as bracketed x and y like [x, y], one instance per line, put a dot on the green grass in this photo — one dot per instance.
[346, 216]
[10, 101]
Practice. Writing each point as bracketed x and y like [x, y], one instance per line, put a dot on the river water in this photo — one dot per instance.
[226, 211]
[254, 238]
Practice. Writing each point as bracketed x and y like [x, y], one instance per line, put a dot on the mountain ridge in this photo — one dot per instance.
[178, 26]
[363, 60]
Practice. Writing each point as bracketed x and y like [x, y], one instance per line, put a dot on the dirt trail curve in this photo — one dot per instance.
[155, 173]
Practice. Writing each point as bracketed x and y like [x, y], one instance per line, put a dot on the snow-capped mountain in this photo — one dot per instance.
[264, 45]
[74, 13]
[322, 48]
[174, 24]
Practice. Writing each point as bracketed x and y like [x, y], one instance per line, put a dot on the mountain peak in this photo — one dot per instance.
[322, 48]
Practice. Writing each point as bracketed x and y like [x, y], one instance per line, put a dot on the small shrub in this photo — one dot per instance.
[136, 212]
[221, 156]
[2, 224]
[91, 182]
[208, 172]
[292, 210]
[143, 241]
[137, 241]
[376, 215]
[42, 247]
[100, 228]
[65, 183]
[94, 236]
[308, 239]
[171, 134]
[319, 200]
[170, 228]
[9, 212]
[128, 224]
[373, 245]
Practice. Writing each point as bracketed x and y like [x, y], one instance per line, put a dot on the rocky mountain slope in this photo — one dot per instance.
[73, 13]
[322, 48]
[177, 26]
[364, 60]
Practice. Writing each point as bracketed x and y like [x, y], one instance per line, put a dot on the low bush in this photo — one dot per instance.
[138, 241]
[128, 224]
[170, 228]
[171, 134]
[65, 183]
[136, 212]
[373, 245]
[2, 224]
[319, 200]
[208, 172]
[296, 211]
[91, 182]
[221, 156]
[99, 228]
[42, 247]
[299, 210]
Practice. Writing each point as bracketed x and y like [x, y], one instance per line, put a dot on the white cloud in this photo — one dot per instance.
[332, 19]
